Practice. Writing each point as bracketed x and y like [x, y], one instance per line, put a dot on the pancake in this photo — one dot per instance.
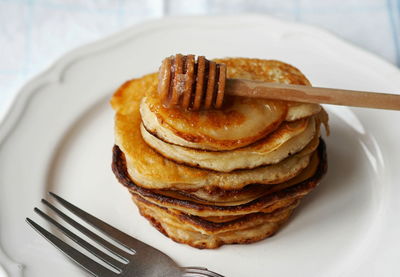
[205, 226]
[240, 122]
[273, 196]
[151, 170]
[202, 234]
[272, 71]
[290, 138]
[315, 170]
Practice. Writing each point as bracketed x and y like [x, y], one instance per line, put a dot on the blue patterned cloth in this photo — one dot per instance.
[33, 33]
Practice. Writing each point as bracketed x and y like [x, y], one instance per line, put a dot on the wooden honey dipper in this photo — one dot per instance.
[202, 85]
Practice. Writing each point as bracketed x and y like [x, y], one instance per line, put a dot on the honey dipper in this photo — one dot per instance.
[198, 85]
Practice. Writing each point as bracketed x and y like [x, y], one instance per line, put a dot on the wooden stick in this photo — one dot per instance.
[308, 94]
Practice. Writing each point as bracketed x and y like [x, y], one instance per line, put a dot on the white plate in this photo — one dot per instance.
[59, 134]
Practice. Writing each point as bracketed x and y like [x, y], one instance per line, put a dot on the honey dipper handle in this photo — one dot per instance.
[308, 94]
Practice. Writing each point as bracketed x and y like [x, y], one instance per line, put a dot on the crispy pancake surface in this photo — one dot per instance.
[201, 234]
[210, 226]
[248, 200]
[240, 122]
[218, 225]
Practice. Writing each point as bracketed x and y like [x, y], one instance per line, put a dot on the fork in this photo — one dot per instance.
[136, 258]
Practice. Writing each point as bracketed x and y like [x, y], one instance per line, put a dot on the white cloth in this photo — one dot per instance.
[33, 33]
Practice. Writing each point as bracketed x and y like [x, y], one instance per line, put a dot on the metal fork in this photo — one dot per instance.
[138, 260]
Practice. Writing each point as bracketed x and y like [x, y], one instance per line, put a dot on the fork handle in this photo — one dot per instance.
[298, 93]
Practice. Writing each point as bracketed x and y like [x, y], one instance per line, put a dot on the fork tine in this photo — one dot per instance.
[120, 237]
[201, 271]
[112, 248]
[87, 263]
[95, 251]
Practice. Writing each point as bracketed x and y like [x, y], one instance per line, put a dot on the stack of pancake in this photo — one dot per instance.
[215, 177]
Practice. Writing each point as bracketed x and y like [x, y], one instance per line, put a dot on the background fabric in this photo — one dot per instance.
[34, 33]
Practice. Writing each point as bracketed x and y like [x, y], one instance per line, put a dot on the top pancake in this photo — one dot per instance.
[288, 139]
[240, 122]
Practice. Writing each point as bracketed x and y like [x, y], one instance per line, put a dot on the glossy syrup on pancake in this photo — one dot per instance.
[240, 122]
[151, 170]
[288, 139]
[154, 171]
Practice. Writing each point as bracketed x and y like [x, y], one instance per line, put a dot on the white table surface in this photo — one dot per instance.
[34, 33]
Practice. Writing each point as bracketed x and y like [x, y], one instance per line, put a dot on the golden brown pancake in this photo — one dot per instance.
[288, 139]
[272, 71]
[240, 122]
[201, 233]
[209, 226]
[273, 196]
[219, 197]
[152, 170]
